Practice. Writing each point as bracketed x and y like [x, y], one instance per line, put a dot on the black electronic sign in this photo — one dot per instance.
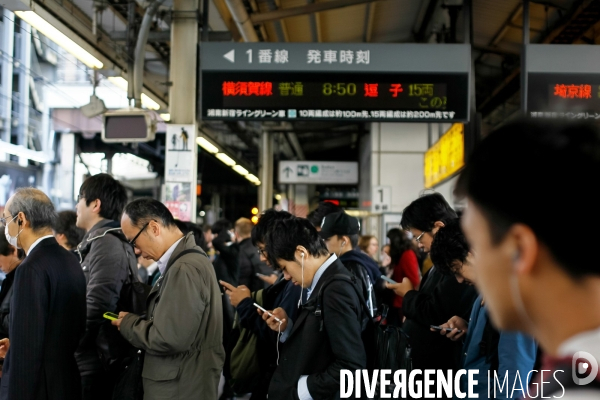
[334, 96]
[335, 82]
[563, 95]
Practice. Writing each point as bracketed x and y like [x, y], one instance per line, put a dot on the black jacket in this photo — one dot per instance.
[322, 353]
[5, 298]
[440, 298]
[226, 262]
[249, 265]
[105, 258]
[47, 320]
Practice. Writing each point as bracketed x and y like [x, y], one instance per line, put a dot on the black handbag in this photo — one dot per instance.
[130, 385]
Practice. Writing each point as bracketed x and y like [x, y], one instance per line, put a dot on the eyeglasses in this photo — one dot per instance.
[132, 241]
[4, 221]
[418, 238]
[262, 252]
[79, 197]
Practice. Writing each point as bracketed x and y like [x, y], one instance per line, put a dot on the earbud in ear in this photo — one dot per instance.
[343, 243]
[302, 254]
[19, 222]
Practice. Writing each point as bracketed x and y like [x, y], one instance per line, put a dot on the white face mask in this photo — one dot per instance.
[10, 239]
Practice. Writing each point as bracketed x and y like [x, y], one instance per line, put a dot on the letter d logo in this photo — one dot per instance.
[589, 366]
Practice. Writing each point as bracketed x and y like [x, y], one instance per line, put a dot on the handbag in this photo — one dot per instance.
[129, 385]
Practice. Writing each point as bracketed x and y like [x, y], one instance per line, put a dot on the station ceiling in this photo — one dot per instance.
[496, 37]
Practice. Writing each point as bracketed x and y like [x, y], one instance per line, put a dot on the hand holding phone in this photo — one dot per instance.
[111, 316]
[389, 280]
[266, 312]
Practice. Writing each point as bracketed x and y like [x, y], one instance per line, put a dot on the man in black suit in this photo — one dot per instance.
[326, 336]
[47, 317]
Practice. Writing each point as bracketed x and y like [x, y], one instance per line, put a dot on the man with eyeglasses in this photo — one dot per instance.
[182, 330]
[439, 298]
[106, 260]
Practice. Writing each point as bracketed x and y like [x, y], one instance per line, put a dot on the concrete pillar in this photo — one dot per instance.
[265, 192]
[183, 72]
[23, 70]
[184, 62]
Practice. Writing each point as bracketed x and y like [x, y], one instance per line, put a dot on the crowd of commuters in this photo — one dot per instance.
[489, 291]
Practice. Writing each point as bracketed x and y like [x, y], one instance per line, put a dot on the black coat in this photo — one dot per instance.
[440, 298]
[5, 298]
[321, 354]
[47, 320]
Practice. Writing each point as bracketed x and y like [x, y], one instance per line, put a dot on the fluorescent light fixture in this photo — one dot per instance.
[252, 178]
[225, 159]
[278, 197]
[257, 183]
[59, 38]
[165, 117]
[206, 145]
[240, 170]
[21, 151]
[122, 84]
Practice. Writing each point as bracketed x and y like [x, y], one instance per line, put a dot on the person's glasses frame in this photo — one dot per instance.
[418, 238]
[4, 222]
[132, 241]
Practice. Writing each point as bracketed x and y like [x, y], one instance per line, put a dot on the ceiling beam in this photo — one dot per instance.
[420, 35]
[369, 20]
[304, 10]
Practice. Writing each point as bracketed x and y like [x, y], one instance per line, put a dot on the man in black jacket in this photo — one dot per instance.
[440, 297]
[326, 336]
[106, 259]
[340, 232]
[47, 317]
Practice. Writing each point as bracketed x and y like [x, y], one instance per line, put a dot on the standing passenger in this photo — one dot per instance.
[47, 317]
[182, 330]
[10, 258]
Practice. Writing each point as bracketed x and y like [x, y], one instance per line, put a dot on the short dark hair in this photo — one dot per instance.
[550, 165]
[287, 234]
[265, 223]
[423, 212]
[353, 239]
[142, 211]
[323, 209]
[109, 191]
[399, 243]
[187, 226]
[221, 225]
[449, 245]
[65, 224]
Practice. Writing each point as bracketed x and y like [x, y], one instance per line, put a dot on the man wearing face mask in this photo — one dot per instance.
[341, 232]
[326, 336]
[48, 312]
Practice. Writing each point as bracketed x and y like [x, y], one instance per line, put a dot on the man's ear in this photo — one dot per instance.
[438, 224]
[154, 228]
[96, 206]
[523, 248]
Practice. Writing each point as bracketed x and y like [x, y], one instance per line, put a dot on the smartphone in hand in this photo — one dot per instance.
[385, 278]
[111, 316]
[439, 328]
[268, 313]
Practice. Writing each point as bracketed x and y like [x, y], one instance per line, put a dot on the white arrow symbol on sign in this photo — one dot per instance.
[230, 56]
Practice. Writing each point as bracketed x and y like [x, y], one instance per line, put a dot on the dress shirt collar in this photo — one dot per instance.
[319, 273]
[588, 341]
[164, 260]
[38, 242]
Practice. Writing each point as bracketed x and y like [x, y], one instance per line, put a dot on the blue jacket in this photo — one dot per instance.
[516, 352]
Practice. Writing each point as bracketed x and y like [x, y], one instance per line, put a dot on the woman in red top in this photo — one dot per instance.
[404, 265]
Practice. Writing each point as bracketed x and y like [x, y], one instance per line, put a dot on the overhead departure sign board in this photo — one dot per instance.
[335, 81]
[563, 82]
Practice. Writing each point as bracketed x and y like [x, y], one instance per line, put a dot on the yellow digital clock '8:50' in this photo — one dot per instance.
[340, 89]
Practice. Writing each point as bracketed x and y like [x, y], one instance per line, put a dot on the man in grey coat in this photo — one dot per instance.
[182, 330]
[106, 259]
